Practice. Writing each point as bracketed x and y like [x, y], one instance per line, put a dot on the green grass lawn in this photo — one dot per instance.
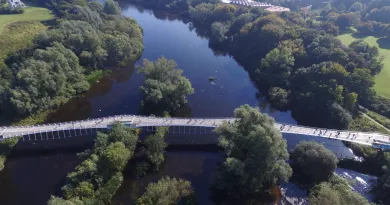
[30, 14]
[382, 80]
[18, 30]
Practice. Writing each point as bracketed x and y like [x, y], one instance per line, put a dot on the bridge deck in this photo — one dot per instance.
[141, 121]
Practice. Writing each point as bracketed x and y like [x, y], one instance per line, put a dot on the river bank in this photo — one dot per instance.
[119, 93]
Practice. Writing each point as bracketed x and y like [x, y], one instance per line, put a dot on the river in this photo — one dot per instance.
[31, 180]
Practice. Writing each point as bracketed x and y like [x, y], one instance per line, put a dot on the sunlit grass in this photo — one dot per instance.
[382, 80]
[30, 14]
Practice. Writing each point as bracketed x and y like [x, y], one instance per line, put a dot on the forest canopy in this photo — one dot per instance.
[88, 37]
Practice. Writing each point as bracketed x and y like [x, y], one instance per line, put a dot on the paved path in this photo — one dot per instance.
[142, 121]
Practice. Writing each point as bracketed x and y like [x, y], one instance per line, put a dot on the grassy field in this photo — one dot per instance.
[379, 118]
[360, 123]
[18, 30]
[30, 14]
[17, 36]
[382, 80]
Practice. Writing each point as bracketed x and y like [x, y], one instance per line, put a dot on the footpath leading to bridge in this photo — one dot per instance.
[77, 128]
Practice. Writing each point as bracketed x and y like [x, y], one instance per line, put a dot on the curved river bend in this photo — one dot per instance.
[119, 94]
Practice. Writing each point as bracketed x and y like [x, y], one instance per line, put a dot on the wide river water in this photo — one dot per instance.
[31, 180]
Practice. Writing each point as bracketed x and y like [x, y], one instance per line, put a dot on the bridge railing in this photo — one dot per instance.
[350, 131]
[135, 117]
[114, 118]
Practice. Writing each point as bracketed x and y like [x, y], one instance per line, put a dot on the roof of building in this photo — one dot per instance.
[277, 9]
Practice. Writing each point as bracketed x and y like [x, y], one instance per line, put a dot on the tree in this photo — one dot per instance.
[122, 49]
[326, 48]
[256, 155]
[275, 68]
[338, 116]
[155, 147]
[111, 7]
[164, 85]
[202, 12]
[47, 79]
[313, 162]
[224, 12]
[218, 32]
[60, 201]
[335, 192]
[382, 14]
[85, 13]
[117, 156]
[351, 101]
[167, 191]
[366, 56]
[82, 38]
[346, 20]
[361, 82]
[121, 133]
[85, 190]
[278, 97]
[316, 90]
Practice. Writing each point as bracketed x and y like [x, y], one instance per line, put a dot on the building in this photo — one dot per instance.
[252, 3]
[277, 9]
[13, 4]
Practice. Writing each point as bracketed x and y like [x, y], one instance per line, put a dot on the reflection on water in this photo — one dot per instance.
[32, 179]
[168, 36]
[197, 167]
[81, 108]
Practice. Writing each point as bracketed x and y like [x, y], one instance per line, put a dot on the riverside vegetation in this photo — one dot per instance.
[98, 177]
[87, 38]
[299, 65]
[302, 66]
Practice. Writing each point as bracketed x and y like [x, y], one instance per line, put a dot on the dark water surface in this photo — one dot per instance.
[195, 166]
[171, 38]
[32, 179]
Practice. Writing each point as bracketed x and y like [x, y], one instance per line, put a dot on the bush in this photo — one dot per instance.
[313, 162]
[278, 97]
[335, 192]
[167, 191]
[7, 10]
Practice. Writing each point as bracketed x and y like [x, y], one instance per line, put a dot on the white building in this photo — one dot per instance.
[15, 4]
[252, 3]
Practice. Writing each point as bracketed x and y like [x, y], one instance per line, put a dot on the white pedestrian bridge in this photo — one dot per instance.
[178, 125]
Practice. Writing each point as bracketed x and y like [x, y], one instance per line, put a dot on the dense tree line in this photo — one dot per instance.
[88, 37]
[369, 17]
[284, 53]
[98, 177]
